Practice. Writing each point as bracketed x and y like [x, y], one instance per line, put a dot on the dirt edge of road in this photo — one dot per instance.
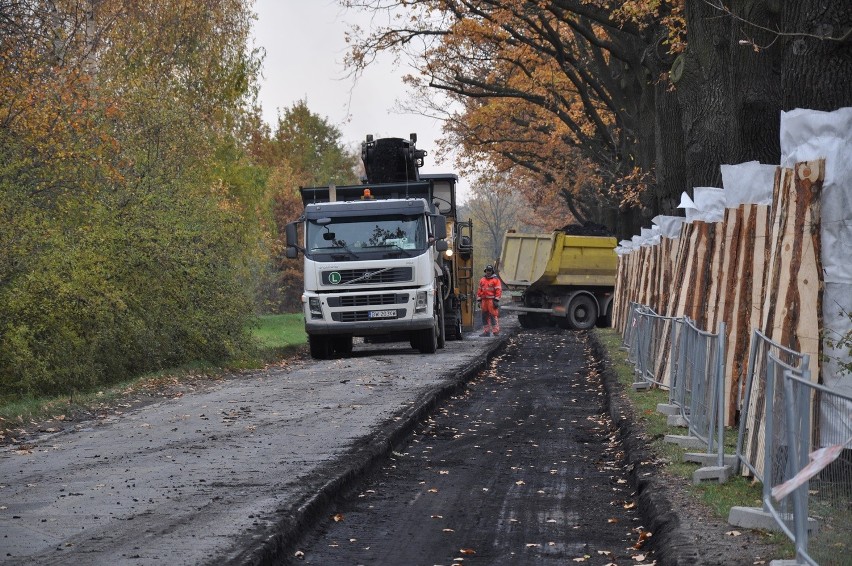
[669, 543]
[278, 544]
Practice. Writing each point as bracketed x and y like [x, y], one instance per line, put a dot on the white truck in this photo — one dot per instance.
[377, 260]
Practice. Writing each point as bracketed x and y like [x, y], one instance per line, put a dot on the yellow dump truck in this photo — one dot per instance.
[558, 278]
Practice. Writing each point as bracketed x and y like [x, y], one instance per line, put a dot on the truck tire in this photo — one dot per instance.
[442, 331]
[582, 313]
[605, 320]
[534, 320]
[427, 340]
[320, 347]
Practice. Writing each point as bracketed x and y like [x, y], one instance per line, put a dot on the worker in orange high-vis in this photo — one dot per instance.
[488, 296]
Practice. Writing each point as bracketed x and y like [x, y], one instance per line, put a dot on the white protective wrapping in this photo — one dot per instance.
[710, 203]
[748, 183]
[649, 236]
[670, 226]
[808, 135]
[624, 247]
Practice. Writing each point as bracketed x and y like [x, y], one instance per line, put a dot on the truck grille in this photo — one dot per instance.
[368, 276]
[368, 300]
[360, 316]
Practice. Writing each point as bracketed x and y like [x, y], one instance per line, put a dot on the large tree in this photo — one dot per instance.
[624, 104]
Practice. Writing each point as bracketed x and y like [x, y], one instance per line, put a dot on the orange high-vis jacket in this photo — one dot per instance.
[489, 288]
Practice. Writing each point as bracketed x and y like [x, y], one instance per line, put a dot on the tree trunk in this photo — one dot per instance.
[670, 163]
[755, 80]
[817, 73]
[701, 77]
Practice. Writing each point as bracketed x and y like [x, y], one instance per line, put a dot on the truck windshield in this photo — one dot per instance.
[367, 237]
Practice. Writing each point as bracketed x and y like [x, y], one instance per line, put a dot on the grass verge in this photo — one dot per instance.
[719, 498]
[277, 336]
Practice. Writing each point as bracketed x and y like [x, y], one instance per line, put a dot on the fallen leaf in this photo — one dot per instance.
[337, 518]
[643, 536]
[444, 472]
[437, 516]
[299, 554]
[520, 482]
[550, 521]
[605, 552]
[612, 521]
[448, 531]
[733, 533]
[630, 505]
[638, 557]
[533, 544]
[433, 490]
[467, 551]
[580, 559]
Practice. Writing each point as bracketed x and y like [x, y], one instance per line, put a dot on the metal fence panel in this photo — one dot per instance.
[751, 447]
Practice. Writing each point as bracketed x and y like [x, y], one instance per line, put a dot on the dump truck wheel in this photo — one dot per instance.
[533, 320]
[605, 321]
[320, 347]
[582, 312]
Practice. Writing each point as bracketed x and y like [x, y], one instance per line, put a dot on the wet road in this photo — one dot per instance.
[215, 472]
[523, 468]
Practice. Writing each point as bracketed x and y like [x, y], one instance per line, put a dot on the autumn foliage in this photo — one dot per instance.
[617, 106]
[141, 194]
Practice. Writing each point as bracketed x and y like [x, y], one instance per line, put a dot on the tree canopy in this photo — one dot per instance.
[131, 218]
[617, 106]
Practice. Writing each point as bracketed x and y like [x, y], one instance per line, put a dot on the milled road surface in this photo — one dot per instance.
[523, 468]
[216, 476]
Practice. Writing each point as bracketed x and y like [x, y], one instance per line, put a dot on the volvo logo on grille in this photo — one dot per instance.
[334, 278]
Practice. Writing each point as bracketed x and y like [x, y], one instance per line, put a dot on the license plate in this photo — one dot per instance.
[382, 314]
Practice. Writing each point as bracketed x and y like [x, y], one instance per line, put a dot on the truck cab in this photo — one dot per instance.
[380, 259]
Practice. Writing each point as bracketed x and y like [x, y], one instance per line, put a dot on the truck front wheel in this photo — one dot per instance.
[582, 312]
[427, 340]
[320, 347]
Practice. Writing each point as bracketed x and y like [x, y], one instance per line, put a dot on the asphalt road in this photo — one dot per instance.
[222, 473]
[522, 468]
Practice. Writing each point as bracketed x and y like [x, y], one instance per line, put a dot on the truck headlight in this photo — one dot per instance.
[314, 306]
[420, 301]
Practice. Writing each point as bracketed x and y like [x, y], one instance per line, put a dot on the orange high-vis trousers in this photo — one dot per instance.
[490, 316]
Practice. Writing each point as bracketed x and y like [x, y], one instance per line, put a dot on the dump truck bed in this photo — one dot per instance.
[557, 259]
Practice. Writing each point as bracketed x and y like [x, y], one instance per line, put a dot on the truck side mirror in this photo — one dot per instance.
[291, 234]
[439, 226]
[441, 245]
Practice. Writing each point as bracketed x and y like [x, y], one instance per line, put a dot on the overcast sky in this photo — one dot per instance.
[305, 48]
